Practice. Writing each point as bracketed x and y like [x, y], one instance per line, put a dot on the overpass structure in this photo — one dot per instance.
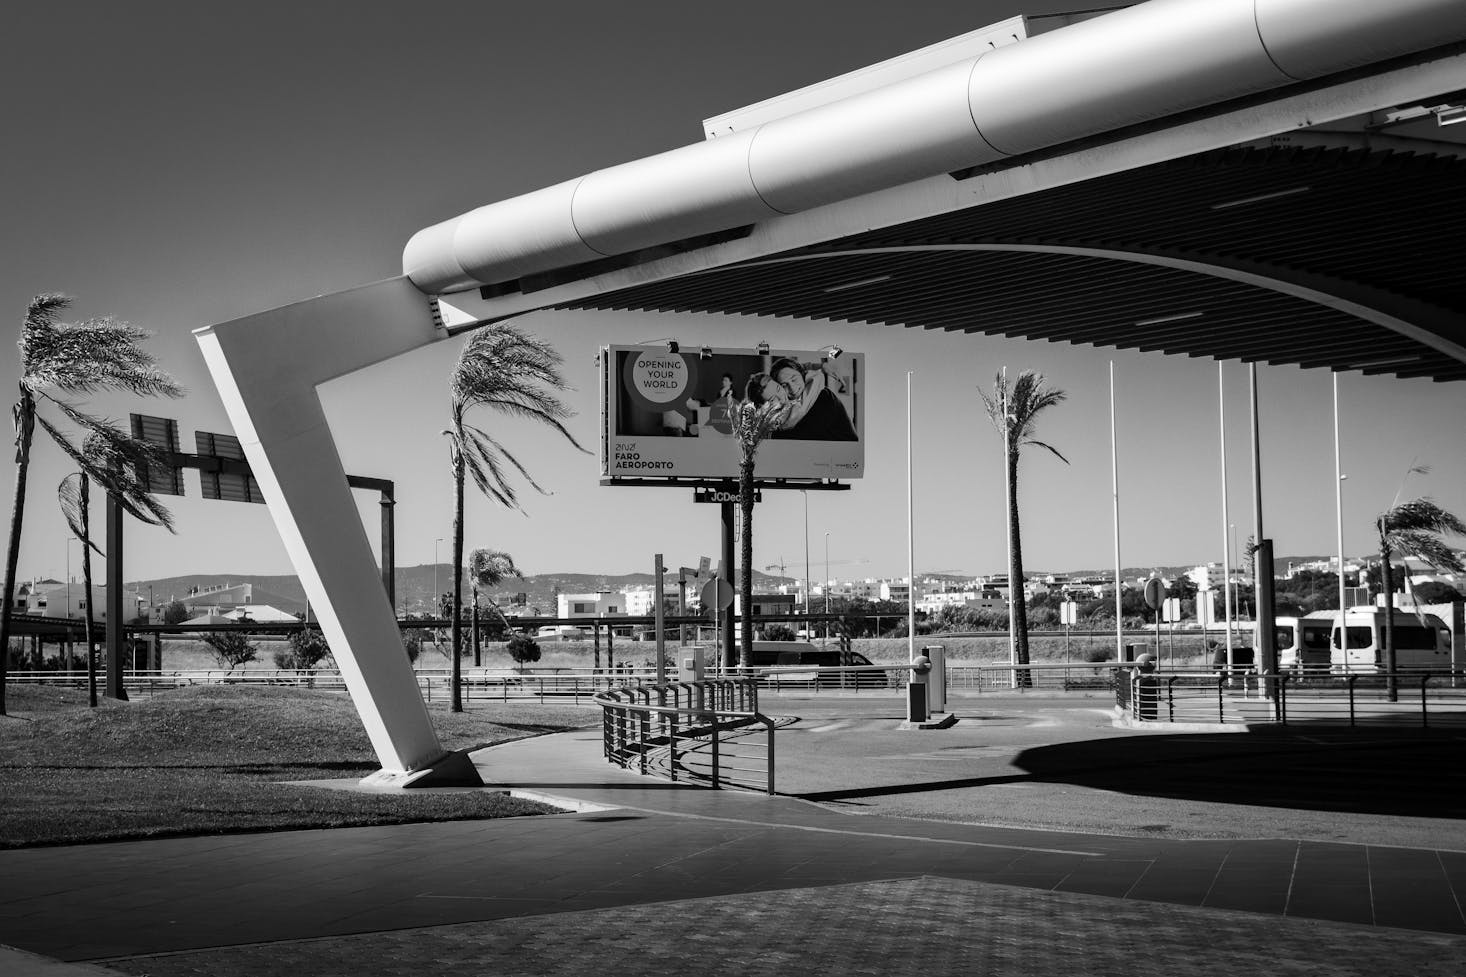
[1263, 180]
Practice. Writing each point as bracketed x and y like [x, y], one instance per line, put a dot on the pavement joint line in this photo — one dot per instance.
[867, 834]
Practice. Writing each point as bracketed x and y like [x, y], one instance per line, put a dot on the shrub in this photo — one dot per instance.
[175, 612]
[522, 648]
[412, 644]
[231, 648]
[779, 632]
[306, 649]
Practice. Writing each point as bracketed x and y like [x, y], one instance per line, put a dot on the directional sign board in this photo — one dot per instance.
[1069, 612]
[1171, 610]
[228, 486]
[161, 433]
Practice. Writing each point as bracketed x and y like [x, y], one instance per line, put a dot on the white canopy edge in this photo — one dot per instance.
[1131, 66]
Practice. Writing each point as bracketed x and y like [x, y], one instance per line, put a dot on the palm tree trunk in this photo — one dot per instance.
[86, 577]
[745, 572]
[26, 418]
[456, 632]
[477, 654]
[1015, 576]
[1387, 581]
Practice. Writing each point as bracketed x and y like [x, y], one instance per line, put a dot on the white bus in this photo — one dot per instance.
[1422, 641]
[1304, 644]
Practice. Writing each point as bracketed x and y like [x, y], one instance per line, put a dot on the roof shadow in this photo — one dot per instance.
[1367, 771]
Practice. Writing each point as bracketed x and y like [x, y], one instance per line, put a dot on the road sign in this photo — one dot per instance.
[1069, 612]
[1171, 612]
[718, 593]
[1155, 593]
[703, 564]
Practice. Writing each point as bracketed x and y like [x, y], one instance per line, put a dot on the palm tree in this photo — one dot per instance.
[752, 423]
[74, 494]
[1413, 527]
[489, 568]
[506, 370]
[1014, 412]
[79, 358]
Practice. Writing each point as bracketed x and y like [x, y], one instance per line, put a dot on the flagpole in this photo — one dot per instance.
[1226, 558]
[910, 538]
[1115, 495]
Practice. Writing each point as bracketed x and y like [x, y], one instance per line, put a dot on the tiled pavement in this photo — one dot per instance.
[687, 881]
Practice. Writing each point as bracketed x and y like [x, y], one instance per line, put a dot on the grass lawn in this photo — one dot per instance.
[212, 759]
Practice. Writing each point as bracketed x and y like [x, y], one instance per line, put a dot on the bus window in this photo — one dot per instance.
[1358, 637]
[1414, 637]
[1315, 638]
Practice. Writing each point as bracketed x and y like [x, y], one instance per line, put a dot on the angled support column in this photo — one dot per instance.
[267, 368]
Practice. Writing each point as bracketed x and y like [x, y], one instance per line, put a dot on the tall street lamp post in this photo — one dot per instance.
[827, 591]
[435, 609]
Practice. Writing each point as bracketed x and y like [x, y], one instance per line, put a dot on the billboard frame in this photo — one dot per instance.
[684, 429]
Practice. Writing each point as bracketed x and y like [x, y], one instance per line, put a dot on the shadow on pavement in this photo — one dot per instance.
[1392, 772]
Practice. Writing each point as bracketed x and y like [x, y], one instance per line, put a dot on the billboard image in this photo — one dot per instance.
[666, 414]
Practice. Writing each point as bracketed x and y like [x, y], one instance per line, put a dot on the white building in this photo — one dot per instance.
[69, 601]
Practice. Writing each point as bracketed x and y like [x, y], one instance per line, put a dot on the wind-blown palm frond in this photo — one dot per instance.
[753, 423]
[1014, 411]
[69, 494]
[1421, 516]
[98, 354]
[506, 370]
[117, 462]
[1412, 527]
[489, 568]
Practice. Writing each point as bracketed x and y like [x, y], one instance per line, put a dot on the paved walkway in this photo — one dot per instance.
[673, 879]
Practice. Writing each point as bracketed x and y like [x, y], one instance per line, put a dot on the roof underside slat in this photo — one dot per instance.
[1384, 220]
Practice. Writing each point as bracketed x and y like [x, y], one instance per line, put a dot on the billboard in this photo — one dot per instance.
[665, 412]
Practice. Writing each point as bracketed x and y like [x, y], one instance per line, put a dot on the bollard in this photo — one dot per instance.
[916, 690]
[1146, 687]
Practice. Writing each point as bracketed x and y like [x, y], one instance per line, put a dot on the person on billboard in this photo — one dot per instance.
[723, 405]
[816, 414]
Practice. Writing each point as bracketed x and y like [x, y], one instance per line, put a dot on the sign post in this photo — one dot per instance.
[1068, 616]
[1172, 609]
[1155, 597]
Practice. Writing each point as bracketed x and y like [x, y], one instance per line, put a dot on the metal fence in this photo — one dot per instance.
[708, 732]
[1423, 699]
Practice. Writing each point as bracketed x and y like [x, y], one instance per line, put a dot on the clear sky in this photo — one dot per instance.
[181, 164]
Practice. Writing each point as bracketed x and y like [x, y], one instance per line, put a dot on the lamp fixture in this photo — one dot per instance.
[1162, 319]
[1449, 115]
[832, 352]
[857, 284]
[1259, 198]
[1389, 361]
[763, 349]
[705, 353]
[672, 346]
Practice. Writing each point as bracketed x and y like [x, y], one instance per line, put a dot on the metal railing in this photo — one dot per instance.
[1423, 699]
[708, 732]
